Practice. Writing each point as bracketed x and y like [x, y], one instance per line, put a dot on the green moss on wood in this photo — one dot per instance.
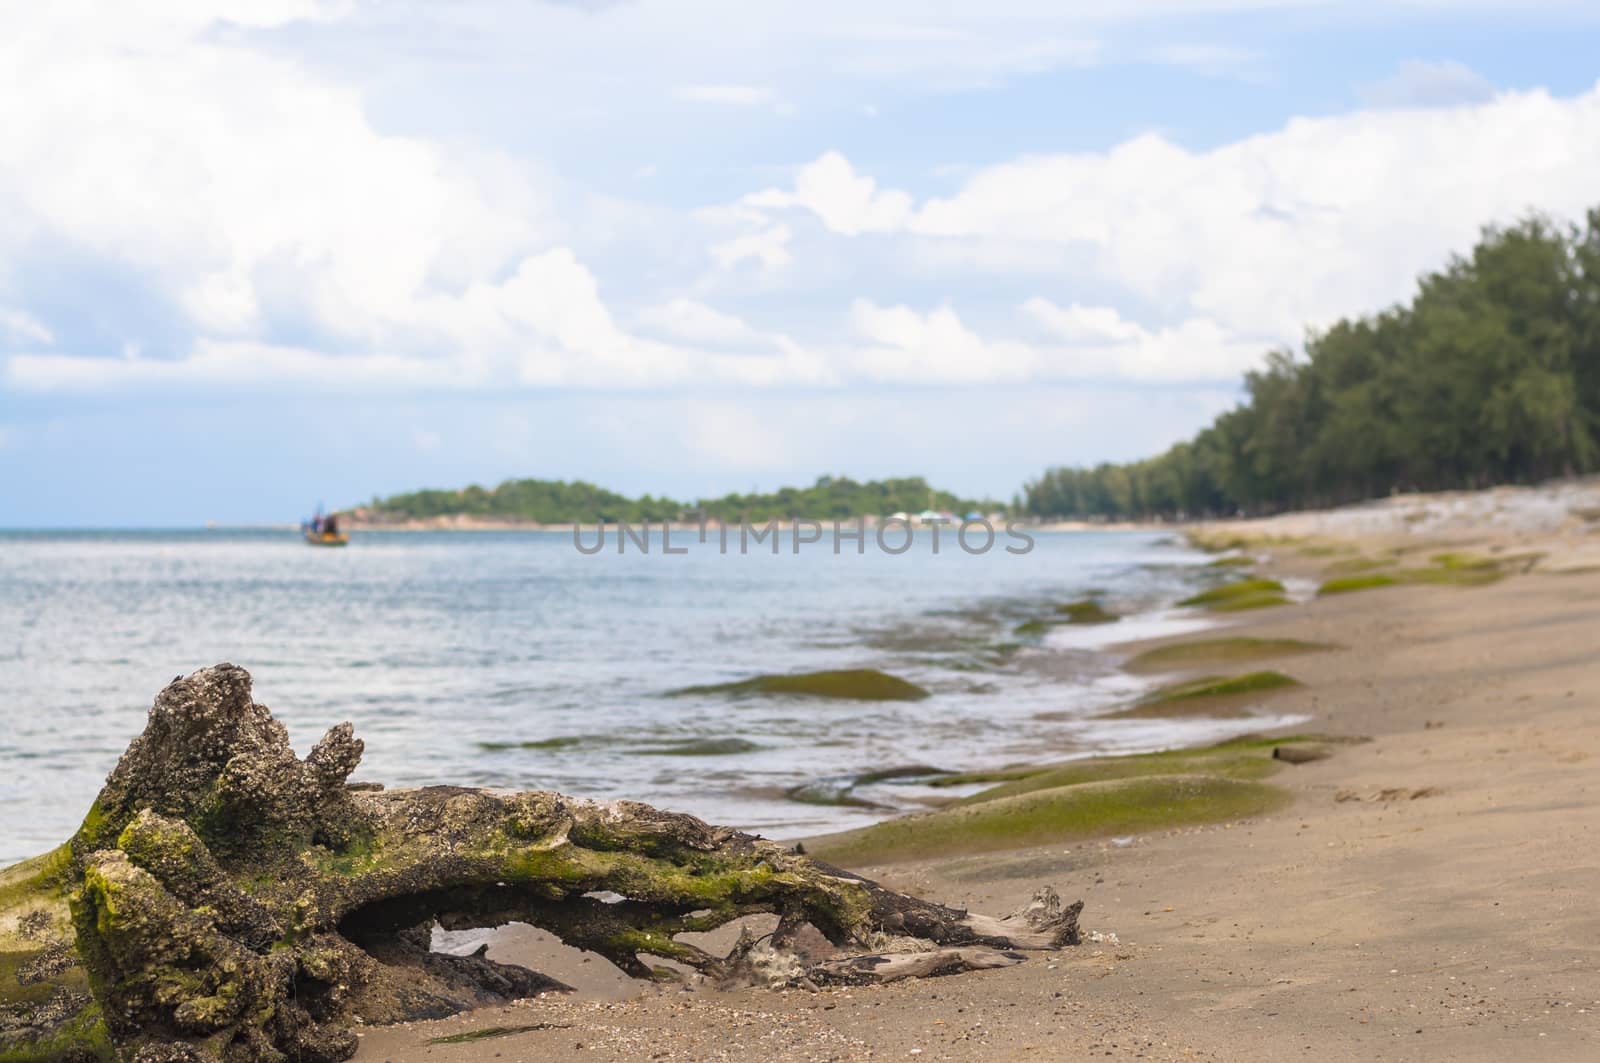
[36, 882]
[78, 1040]
[278, 945]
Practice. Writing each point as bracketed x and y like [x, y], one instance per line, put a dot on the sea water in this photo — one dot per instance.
[512, 659]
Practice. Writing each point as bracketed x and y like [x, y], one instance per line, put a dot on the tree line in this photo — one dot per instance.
[1489, 375]
[560, 501]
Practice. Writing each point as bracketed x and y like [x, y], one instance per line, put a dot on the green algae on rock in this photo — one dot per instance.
[1452, 576]
[697, 747]
[848, 684]
[1201, 652]
[1241, 594]
[832, 793]
[1229, 762]
[546, 744]
[1052, 816]
[1217, 686]
[1212, 695]
[1345, 584]
[1244, 757]
[1250, 601]
[840, 790]
[1451, 569]
[1085, 611]
[227, 900]
[1353, 565]
[967, 778]
[1232, 561]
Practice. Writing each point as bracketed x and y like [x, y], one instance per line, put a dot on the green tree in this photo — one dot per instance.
[1491, 374]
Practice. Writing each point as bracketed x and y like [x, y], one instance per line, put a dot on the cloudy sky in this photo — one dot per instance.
[257, 253]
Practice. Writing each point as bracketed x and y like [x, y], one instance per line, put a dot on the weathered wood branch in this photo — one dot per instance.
[230, 900]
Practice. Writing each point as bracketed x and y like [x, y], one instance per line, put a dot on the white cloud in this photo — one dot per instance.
[1080, 343]
[792, 364]
[1101, 342]
[735, 95]
[904, 345]
[686, 319]
[1420, 83]
[545, 326]
[768, 245]
[246, 188]
[846, 203]
[255, 194]
[1319, 219]
[303, 245]
[22, 327]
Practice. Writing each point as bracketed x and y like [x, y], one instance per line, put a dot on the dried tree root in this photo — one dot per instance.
[234, 902]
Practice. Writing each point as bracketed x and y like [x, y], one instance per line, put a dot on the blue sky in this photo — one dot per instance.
[257, 254]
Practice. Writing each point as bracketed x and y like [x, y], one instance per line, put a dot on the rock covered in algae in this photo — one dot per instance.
[227, 900]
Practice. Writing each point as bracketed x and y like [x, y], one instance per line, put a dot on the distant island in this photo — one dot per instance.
[526, 502]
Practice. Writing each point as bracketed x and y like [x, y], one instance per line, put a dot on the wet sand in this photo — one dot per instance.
[1427, 896]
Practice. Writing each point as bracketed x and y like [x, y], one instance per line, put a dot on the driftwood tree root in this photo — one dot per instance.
[231, 901]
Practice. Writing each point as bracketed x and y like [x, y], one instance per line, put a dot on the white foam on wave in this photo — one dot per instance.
[1153, 625]
[1299, 589]
[1152, 735]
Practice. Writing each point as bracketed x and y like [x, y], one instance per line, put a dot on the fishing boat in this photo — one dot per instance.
[324, 531]
[327, 538]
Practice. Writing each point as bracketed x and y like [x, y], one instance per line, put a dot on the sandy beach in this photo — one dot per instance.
[1425, 894]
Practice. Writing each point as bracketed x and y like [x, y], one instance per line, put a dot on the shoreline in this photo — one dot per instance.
[1423, 896]
[1408, 874]
[479, 524]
